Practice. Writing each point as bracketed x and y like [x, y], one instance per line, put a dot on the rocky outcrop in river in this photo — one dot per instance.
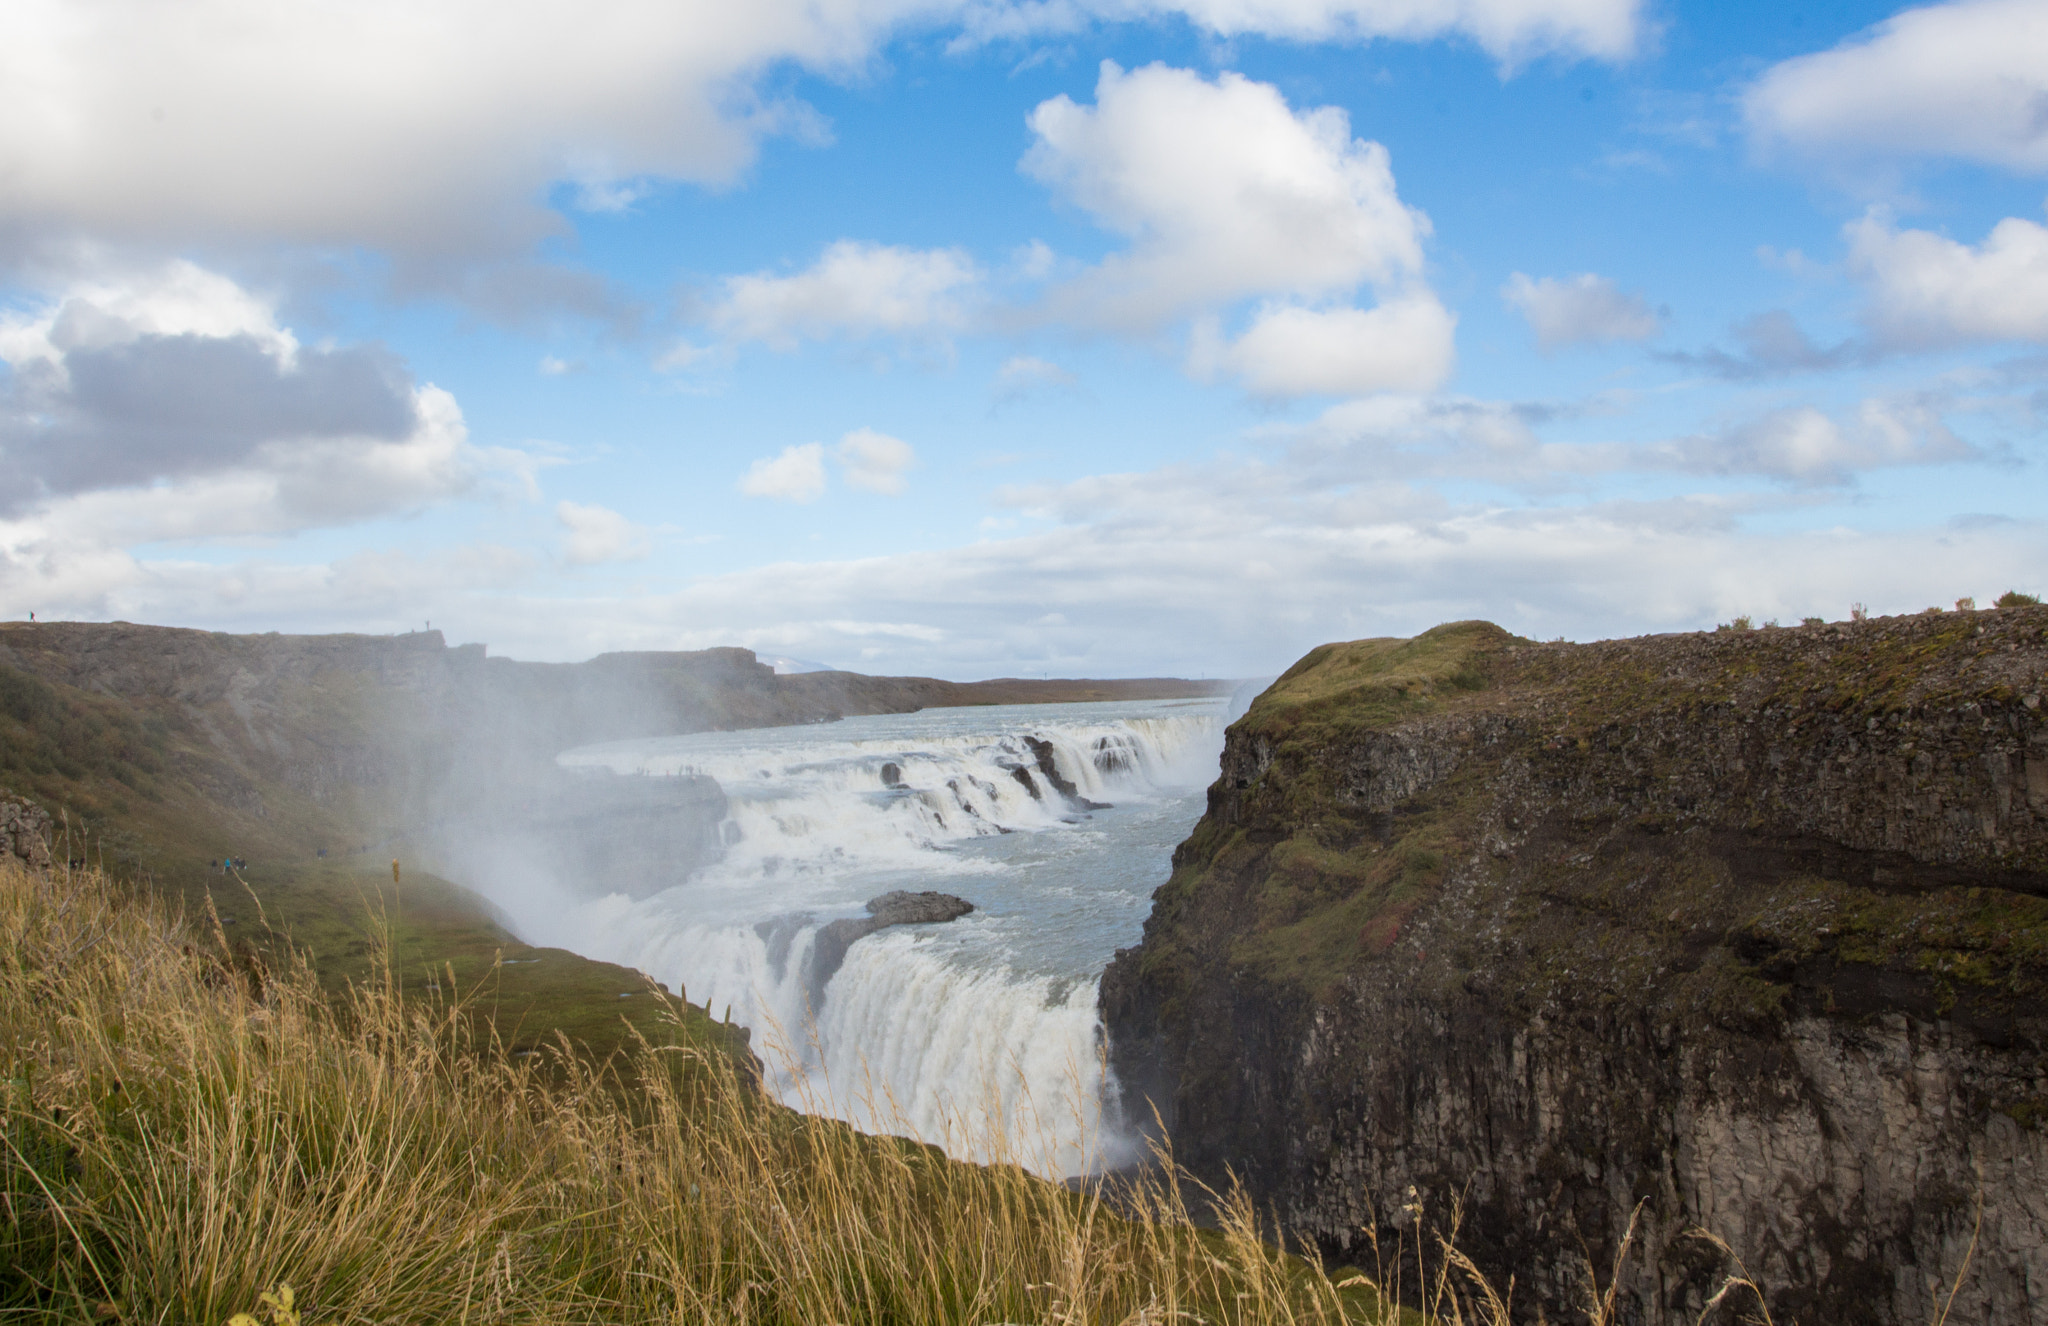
[893, 908]
[1746, 929]
[828, 947]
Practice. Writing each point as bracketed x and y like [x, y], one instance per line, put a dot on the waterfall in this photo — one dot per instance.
[979, 1035]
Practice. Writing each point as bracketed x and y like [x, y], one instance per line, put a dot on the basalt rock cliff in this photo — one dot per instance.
[1746, 929]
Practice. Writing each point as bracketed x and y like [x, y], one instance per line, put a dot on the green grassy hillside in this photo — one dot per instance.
[140, 787]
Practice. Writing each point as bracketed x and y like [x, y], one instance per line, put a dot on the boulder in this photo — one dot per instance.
[25, 830]
[897, 907]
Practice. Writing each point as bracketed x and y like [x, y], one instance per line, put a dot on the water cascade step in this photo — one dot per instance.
[843, 844]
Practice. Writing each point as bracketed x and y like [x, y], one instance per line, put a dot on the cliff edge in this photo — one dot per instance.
[1748, 928]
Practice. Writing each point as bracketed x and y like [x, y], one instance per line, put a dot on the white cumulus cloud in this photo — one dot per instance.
[1228, 194]
[874, 462]
[73, 551]
[1235, 564]
[170, 404]
[1410, 438]
[796, 475]
[854, 289]
[177, 298]
[1580, 310]
[1927, 290]
[391, 123]
[1967, 79]
[1806, 447]
[597, 534]
[1224, 191]
[1404, 344]
[438, 129]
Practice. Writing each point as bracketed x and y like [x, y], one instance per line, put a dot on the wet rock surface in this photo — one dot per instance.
[828, 951]
[1048, 768]
[1749, 928]
[900, 908]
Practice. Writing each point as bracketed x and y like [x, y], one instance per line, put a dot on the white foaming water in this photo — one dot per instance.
[981, 1034]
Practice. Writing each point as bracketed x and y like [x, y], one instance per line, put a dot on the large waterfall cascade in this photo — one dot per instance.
[981, 1035]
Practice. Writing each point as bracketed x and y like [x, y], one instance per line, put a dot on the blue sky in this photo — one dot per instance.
[1099, 337]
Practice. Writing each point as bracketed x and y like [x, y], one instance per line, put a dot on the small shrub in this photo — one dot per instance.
[1813, 621]
[1930, 612]
[2012, 598]
[1966, 604]
[1857, 612]
[277, 1303]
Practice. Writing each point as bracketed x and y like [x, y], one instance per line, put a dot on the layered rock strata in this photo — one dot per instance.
[1747, 929]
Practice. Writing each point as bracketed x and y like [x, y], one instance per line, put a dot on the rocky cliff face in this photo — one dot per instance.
[25, 831]
[1750, 929]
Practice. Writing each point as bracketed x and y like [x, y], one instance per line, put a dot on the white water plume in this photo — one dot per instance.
[835, 802]
[980, 1035]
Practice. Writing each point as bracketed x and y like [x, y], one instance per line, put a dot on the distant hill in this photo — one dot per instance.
[178, 746]
[173, 748]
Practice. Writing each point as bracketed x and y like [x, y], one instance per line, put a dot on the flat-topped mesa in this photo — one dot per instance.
[1751, 927]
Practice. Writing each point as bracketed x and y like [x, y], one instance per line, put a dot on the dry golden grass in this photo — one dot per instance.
[190, 1139]
[185, 1134]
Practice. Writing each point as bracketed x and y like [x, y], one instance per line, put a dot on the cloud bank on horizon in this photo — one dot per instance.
[978, 337]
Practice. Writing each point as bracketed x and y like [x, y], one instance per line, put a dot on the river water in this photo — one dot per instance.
[980, 1035]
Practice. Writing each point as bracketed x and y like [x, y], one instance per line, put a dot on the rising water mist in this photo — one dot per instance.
[981, 1035]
